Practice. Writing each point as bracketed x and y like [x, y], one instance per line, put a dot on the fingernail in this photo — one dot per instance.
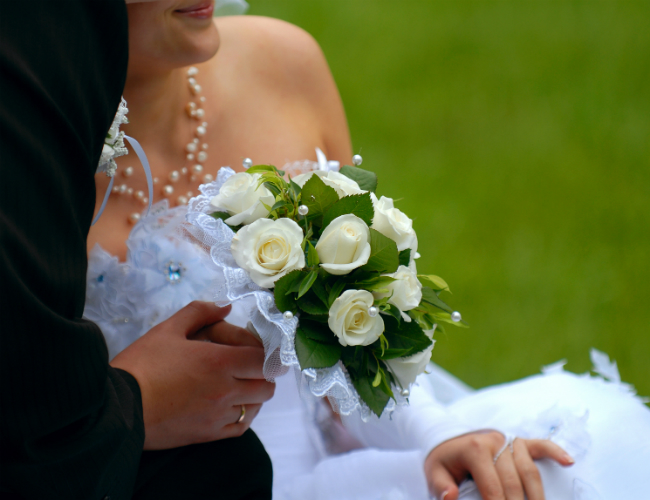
[442, 497]
[568, 459]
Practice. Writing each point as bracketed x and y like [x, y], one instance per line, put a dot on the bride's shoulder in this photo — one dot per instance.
[271, 51]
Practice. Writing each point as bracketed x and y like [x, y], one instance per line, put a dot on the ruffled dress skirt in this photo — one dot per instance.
[600, 422]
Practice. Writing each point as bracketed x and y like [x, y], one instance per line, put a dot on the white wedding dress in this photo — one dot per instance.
[597, 419]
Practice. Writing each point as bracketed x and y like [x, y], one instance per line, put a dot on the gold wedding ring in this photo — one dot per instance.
[241, 417]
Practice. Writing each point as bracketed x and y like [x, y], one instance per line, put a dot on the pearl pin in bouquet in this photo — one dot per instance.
[338, 265]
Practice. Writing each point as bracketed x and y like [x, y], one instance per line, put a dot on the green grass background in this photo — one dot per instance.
[518, 136]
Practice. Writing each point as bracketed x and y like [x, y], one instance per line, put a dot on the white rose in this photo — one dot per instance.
[392, 222]
[344, 245]
[343, 185]
[241, 198]
[407, 290]
[269, 249]
[407, 369]
[350, 321]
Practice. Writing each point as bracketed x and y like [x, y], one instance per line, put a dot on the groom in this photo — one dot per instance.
[71, 425]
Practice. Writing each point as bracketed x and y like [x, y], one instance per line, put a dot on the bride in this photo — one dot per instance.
[206, 93]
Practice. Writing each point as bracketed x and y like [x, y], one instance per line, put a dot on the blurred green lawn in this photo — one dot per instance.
[518, 136]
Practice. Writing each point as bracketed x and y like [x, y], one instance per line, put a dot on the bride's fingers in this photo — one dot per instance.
[510, 481]
[527, 470]
[486, 477]
[442, 484]
[543, 448]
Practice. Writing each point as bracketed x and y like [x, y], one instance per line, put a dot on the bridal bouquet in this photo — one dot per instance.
[342, 262]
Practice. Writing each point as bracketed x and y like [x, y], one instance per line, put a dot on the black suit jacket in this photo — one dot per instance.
[70, 425]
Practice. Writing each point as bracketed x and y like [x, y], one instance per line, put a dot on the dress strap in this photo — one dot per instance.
[147, 171]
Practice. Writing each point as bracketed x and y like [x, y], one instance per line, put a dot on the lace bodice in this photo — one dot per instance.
[163, 272]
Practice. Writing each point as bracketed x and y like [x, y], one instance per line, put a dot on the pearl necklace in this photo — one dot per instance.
[194, 154]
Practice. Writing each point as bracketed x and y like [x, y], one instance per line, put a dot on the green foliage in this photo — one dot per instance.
[261, 169]
[312, 256]
[431, 297]
[306, 283]
[366, 179]
[383, 254]
[376, 284]
[436, 283]
[318, 197]
[335, 291]
[405, 257]
[357, 204]
[313, 346]
[404, 339]
[311, 304]
[375, 397]
[221, 215]
[284, 301]
[391, 310]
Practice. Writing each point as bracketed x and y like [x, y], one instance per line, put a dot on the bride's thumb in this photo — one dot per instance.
[441, 484]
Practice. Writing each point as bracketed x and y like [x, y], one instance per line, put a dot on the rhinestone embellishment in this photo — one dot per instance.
[174, 272]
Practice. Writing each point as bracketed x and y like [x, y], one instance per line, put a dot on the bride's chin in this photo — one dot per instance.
[197, 48]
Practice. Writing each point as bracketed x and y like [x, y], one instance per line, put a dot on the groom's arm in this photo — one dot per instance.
[70, 426]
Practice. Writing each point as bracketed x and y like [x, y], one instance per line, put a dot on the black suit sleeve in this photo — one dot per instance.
[70, 425]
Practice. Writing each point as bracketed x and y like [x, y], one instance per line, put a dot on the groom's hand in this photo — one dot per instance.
[192, 391]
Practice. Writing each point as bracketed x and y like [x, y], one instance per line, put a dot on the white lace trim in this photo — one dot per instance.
[114, 142]
[277, 333]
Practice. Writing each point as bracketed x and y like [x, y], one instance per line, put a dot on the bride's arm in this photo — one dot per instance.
[423, 425]
[452, 451]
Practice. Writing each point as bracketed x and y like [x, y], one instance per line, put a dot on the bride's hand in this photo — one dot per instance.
[512, 475]
[193, 392]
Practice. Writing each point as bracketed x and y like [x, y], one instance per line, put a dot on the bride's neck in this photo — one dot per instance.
[156, 106]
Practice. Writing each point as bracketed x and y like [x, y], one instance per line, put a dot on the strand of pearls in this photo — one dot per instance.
[195, 153]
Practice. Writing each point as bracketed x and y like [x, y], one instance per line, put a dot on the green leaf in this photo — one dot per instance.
[377, 380]
[260, 169]
[317, 319]
[423, 318]
[431, 297]
[405, 257]
[280, 204]
[284, 301]
[367, 180]
[384, 256]
[393, 311]
[357, 204]
[318, 197]
[436, 283]
[335, 291]
[374, 283]
[294, 187]
[445, 317]
[273, 188]
[383, 343]
[221, 215]
[315, 330]
[314, 354]
[404, 338]
[374, 397]
[311, 304]
[312, 255]
[319, 289]
[307, 283]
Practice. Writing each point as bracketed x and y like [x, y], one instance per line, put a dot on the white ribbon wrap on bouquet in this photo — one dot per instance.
[276, 332]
